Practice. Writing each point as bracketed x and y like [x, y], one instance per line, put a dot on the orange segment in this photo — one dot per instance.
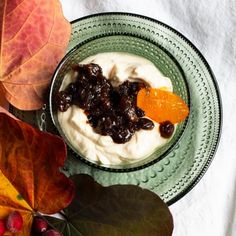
[160, 105]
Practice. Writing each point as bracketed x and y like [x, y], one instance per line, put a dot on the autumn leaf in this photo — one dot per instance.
[119, 210]
[11, 200]
[29, 170]
[3, 101]
[3, 110]
[33, 37]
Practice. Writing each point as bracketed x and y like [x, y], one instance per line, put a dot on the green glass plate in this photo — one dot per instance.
[187, 159]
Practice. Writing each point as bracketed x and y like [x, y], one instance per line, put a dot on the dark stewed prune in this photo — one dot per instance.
[139, 112]
[144, 123]
[92, 70]
[72, 88]
[63, 100]
[122, 135]
[166, 129]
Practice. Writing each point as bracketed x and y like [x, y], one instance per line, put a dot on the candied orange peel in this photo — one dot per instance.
[161, 105]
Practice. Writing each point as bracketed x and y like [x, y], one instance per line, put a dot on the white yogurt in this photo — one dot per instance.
[101, 149]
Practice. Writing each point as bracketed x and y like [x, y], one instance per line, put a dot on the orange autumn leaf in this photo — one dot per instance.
[33, 37]
[161, 105]
[30, 160]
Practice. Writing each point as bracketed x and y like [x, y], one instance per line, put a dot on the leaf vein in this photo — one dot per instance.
[18, 32]
[16, 7]
[39, 50]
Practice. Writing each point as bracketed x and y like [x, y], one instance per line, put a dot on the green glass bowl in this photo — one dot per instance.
[182, 167]
[132, 45]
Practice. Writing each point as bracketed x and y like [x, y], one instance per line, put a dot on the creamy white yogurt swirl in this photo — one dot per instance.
[117, 67]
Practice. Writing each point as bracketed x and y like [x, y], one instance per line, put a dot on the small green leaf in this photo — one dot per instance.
[119, 210]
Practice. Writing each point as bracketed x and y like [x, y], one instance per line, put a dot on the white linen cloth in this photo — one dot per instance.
[210, 208]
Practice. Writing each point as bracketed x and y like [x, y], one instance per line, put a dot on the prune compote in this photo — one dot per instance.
[110, 110]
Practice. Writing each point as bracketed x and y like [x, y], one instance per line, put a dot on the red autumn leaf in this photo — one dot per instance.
[33, 37]
[3, 101]
[30, 160]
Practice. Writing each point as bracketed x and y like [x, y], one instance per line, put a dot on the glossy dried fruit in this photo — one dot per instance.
[160, 105]
[145, 123]
[92, 70]
[139, 112]
[122, 135]
[166, 129]
[63, 100]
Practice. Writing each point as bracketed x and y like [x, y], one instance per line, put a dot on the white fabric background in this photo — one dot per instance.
[209, 209]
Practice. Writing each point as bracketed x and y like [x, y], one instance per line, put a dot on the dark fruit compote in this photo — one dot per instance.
[110, 110]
